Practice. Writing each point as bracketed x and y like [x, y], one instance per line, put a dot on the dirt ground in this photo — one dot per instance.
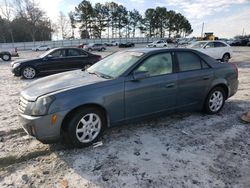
[180, 150]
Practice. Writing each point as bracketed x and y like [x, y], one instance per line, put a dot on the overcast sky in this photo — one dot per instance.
[226, 18]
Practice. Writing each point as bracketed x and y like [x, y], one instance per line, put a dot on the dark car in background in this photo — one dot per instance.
[95, 47]
[124, 87]
[126, 45]
[82, 45]
[54, 61]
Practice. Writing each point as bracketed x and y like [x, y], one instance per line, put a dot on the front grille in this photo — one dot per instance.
[22, 104]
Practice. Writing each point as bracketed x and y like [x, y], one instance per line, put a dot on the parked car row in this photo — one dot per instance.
[124, 87]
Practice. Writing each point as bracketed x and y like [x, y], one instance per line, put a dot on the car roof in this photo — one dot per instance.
[152, 50]
[66, 48]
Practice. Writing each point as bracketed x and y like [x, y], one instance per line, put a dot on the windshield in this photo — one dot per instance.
[46, 53]
[116, 64]
[198, 45]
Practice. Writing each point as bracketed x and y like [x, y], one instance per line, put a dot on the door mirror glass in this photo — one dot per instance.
[139, 75]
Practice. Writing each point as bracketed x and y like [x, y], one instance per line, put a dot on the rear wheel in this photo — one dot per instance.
[225, 57]
[85, 127]
[6, 57]
[215, 100]
[28, 73]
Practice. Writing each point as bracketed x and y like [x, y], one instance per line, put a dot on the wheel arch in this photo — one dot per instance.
[223, 86]
[74, 110]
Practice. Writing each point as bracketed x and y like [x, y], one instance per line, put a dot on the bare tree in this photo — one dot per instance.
[64, 25]
[7, 12]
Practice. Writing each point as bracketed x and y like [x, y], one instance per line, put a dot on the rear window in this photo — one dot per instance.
[188, 61]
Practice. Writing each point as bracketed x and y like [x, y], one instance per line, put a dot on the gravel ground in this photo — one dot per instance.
[181, 150]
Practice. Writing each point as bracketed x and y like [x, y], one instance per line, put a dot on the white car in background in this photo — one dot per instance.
[41, 48]
[216, 49]
[158, 44]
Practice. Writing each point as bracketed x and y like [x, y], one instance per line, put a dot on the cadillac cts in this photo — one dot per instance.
[128, 85]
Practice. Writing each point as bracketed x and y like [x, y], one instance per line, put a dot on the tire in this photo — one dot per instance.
[225, 57]
[37, 50]
[29, 72]
[80, 127]
[215, 100]
[154, 46]
[6, 57]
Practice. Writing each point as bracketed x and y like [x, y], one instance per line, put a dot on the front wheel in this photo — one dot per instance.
[215, 100]
[28, 73]
[6, 57]
[85, 127]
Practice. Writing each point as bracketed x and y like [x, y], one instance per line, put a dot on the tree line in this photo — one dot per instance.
[24, 20]
[116, 21]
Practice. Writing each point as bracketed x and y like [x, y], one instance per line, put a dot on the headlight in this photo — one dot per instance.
[16, 65]
[41, 106]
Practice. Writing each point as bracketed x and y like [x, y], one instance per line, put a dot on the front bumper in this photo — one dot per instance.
[41, 127]
[16, 71]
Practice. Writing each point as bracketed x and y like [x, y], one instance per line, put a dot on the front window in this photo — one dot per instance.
[116, 64]
[157, 65]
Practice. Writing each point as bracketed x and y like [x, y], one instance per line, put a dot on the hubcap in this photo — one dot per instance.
[88, 128]
[216, 101]
[5, 57]
[29, 72]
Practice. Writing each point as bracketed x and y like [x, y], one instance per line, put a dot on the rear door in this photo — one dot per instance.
[157, 93]
[220, 49]
[194, 78]
[76, 59]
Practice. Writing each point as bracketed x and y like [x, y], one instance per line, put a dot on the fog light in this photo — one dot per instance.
[53, 119]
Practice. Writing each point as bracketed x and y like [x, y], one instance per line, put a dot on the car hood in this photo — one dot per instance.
[59, 82]
[24, 60]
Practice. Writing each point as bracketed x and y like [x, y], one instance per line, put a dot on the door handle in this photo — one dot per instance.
[206, 78]
[170, 85]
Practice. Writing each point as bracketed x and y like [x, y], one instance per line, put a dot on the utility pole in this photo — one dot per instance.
[202, 29]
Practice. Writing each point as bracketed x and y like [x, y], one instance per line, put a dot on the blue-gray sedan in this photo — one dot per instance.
[126, 86]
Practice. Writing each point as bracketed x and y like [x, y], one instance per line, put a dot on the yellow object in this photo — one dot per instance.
[53, 119]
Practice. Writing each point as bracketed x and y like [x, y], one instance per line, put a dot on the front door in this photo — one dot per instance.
[53, 62]
[156, 93]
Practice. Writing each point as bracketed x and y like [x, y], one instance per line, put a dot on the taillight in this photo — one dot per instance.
[99, 58]
[236, 69]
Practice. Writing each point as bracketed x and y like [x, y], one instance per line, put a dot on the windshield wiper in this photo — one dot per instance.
[99, 74]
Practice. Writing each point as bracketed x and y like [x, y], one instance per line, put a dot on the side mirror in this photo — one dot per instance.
[139, 75]
[48, 57]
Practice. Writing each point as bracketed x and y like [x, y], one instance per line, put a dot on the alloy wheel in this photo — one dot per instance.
[29, 72]
[216, 101]
[88, 128]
